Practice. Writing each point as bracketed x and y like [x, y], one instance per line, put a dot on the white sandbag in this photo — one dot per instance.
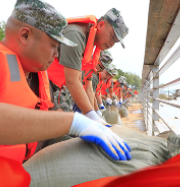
[123, 112]
[112, 116]
[119, 120]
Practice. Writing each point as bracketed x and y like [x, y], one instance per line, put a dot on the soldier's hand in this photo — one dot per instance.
[99, 113]
[101, 106]
[94, 132]
[93, 115]
[109, 101]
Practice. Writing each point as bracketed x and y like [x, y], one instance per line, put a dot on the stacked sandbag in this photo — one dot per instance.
[112, 116]
[74, 161]
[123, 112]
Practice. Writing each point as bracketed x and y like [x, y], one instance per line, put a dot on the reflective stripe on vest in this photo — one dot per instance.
[13, 67]
[15, 90]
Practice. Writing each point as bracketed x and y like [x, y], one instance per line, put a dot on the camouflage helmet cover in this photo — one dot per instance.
[42, 16]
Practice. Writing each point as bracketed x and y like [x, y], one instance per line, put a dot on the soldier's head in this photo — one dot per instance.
[104, 60]
[33, 32]
[110, 29]
[108, 72]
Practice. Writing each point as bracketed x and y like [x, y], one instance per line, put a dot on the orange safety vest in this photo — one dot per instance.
[105, 85]
[103, 88]
[135, 92]
[116, 88]
[99, 84]
[15, 90]
[56, 70]
[13, 174]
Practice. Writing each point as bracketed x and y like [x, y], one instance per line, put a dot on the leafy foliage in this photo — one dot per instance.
[2, 29]
[132, 79]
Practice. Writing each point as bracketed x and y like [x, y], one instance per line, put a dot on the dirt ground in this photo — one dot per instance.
[130, 120]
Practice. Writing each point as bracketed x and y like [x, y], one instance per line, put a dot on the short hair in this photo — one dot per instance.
[103, 19]
[13, 23]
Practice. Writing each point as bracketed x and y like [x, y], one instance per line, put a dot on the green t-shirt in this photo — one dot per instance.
[72, 56]
[94, 78]
[111, 86]
[95, 81]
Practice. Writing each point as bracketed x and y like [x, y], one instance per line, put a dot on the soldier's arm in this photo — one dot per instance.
[103, 97]
[76, 89]
[98, 97]
[89, 91]
[22, 125]
[111, 92]
[95, 104]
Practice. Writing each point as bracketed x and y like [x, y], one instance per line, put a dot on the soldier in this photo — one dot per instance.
[96, 83]
[88, 33]
[105, 94]
[92, 81]
[104, 60]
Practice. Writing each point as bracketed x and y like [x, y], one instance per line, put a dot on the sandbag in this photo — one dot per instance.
[74, 161]
[123, 112]
[112, 116]
[163, 175]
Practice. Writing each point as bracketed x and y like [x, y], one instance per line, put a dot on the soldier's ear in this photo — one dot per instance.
[24, 35]
[100, 25]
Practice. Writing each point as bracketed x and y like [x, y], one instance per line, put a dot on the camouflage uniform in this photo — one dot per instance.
[64, 100]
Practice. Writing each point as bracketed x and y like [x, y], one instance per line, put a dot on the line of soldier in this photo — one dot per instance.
[38, 38]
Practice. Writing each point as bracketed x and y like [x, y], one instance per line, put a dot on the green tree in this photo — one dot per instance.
[2, 29]
[132, 79]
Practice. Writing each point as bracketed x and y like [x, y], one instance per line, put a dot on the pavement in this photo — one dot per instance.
[135, 119]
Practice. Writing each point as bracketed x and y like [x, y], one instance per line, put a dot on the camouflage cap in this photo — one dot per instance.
[122, 77]
[105, 58]
[42, 16]
[115, 71]
[105, 65]
[122, 81]
[115, 19]
[111, 70]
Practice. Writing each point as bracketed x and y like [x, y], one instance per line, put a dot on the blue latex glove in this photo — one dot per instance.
[125, 100]
[99, 113]
[101, 106]
[108, 125]
[119, 104]
[109, 101]
[97, 133]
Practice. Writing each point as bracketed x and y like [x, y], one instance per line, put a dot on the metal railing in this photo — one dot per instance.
[156, 122]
